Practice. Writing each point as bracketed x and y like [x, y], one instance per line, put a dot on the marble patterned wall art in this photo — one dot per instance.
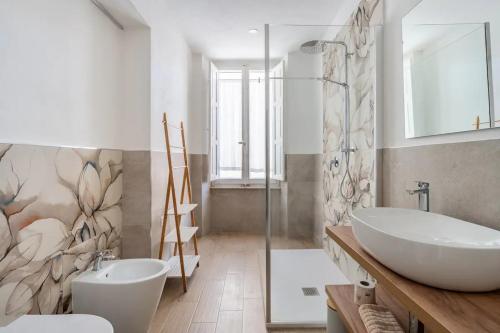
[360, 39]
[57, 207]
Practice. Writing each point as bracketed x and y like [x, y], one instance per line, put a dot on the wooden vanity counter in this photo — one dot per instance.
[440, 310]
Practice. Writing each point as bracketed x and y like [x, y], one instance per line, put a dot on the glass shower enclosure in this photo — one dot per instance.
[306, 96]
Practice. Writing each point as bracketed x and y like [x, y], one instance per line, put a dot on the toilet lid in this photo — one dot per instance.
[74, 323]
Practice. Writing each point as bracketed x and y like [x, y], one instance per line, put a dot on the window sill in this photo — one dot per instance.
[227, 186]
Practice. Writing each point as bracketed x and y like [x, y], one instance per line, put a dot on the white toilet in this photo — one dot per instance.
[74, 323]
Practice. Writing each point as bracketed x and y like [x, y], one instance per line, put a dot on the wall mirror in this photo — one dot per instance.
[451, 66]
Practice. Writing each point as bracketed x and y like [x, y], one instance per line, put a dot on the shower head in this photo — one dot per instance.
[318, 46]
[313, 47]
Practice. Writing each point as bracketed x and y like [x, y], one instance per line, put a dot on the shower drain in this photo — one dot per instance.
[310, 291]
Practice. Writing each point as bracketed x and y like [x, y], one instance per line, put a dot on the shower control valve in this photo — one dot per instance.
[334, 163]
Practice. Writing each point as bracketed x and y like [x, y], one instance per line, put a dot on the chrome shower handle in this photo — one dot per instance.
[334, 163]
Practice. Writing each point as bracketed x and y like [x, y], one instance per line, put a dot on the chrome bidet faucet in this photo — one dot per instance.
[101, 256]
[423, 195]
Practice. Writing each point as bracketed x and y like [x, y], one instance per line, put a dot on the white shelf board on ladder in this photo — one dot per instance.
[190, 262]
[183, 209]
[186, 234]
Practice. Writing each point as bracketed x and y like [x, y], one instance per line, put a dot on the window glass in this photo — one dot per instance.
[257, 124]
[229, 87]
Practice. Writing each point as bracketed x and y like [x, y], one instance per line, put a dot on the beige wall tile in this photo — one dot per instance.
[159, 176]
[199, 184]
[464, 179]
[136, 204]
[303, 200]
[237, 210]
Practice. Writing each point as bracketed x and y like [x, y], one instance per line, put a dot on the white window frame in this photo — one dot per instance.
[276, 130]
[277, 100]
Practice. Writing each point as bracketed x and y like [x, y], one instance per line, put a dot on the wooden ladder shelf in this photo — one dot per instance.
[181, 266]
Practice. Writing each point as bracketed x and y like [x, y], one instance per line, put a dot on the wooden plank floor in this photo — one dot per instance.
[225, 293]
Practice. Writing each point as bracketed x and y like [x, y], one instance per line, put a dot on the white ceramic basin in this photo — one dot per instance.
[432, 249]
[125, 292]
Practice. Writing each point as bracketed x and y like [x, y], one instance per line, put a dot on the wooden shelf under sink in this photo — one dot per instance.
[440, 310]
[342, 297]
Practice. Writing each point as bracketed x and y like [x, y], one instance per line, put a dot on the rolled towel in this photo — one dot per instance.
[379, 319]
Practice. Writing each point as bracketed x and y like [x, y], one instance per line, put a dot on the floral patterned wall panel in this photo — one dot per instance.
[359, 37]
[57, 207]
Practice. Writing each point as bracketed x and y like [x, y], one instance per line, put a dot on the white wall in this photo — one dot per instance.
[171, 69]
[136, 97]
[198, 116]
[394, 126]
[303, 107]
[171, 66]
[57, 86]
[61, 64]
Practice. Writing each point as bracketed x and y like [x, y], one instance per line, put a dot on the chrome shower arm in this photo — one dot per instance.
[311, 78]
[339, 43]
[295, 78]
[343, 84]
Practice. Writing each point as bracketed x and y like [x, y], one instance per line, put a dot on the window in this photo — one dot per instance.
[238, 123]
[230, 105]
[257, 125]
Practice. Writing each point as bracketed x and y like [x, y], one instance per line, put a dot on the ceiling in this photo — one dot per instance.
[219, 28]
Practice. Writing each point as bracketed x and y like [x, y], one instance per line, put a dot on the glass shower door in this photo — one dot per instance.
[299, 261]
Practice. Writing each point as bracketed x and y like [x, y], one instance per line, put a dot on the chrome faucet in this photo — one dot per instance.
[101, 256]
[423, 195]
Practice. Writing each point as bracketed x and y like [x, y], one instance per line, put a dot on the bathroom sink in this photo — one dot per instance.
[125, 292]
[125, 271]
[432, 249]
